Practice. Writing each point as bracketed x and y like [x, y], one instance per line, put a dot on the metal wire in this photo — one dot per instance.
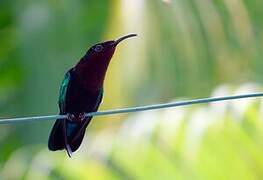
[134, 109]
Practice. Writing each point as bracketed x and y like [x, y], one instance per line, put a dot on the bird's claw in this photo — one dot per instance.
[82, 117]
[71, 117]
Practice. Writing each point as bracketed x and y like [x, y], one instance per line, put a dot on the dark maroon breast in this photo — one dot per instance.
[80, 98]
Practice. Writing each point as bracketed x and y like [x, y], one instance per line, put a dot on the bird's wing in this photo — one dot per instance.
[63, 92]
[57, 136]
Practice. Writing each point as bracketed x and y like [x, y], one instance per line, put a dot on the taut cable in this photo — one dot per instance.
[134, 109]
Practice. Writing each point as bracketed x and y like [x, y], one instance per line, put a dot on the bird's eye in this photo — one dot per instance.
[98, 48]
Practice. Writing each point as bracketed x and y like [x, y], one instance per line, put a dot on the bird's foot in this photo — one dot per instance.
[79, 118]
[82, 116]
[71, 117]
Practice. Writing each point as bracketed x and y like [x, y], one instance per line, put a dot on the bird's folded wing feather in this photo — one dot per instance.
[63, 92]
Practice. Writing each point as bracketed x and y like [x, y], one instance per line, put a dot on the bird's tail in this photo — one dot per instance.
[67, 135]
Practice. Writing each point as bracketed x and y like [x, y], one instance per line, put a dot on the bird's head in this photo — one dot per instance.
[91, 69]
[105, 50]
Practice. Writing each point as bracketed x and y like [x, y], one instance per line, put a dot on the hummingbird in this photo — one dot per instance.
[81, 92]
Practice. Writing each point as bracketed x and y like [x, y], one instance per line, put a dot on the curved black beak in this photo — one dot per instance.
[123, 38]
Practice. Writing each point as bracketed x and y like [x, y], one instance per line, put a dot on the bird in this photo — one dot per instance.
[81, 91]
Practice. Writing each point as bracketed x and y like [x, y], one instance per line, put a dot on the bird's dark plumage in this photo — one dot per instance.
[81, 91]
[74, 99]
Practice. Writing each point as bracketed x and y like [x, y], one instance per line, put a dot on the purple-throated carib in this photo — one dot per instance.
[81, 92]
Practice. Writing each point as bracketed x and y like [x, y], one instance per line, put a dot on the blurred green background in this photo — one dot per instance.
[185, 49]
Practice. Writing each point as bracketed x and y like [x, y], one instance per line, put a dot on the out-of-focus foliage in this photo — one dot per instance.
[185, 48]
